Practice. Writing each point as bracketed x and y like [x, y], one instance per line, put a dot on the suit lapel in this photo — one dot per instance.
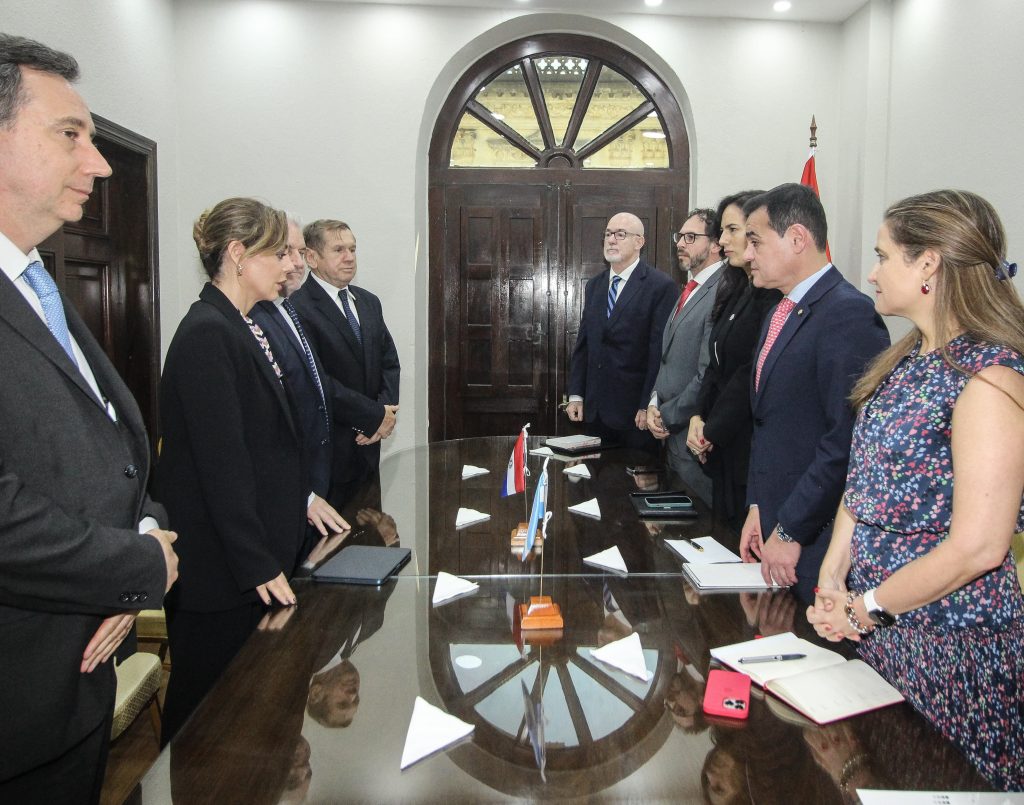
[215, 297]
[626, 295]
[797, 318]
[693, 304]
[329, 309]
[15, 309]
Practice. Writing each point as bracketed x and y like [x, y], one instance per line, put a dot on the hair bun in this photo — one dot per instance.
[197, 233]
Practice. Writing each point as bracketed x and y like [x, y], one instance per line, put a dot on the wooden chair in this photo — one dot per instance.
[151, 627]
[138, 683]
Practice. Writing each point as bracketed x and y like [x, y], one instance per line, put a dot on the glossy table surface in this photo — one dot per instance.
[316, 706]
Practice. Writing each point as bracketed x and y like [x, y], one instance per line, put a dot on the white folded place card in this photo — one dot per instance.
[610, 558]
[448, 586]
[469, 471]
[467, 517]
[542, 451]
[627, 655]
[588, 508]
[578, 471]
[702, 551]
[430, 730]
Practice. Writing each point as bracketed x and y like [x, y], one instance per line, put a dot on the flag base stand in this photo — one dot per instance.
[518, 541]
[540, 613]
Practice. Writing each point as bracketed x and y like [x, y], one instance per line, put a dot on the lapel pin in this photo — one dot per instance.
[800, 311]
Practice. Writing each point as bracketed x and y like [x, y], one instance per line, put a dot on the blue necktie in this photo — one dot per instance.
[613, 292]
[353, 322]
[53, 309]
[293, 314]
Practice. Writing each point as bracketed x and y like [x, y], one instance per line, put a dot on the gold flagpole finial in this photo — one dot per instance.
[814, 133]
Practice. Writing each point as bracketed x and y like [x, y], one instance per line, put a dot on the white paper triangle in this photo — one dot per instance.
[430, 730]
[449, 586]
[610, 558]
[627, 655]
[467, 517]
[579, 470]
[588, 508]
[469, 471]
[542, 451]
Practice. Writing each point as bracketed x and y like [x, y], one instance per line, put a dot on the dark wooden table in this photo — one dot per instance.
[316, 706]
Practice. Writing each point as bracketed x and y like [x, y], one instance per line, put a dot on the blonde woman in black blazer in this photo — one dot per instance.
[230, 467]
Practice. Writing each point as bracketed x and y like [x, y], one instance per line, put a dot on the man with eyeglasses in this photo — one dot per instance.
[618, 348]
[303, 377]
[684, 347]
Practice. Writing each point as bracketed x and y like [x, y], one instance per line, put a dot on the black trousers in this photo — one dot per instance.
[74, 778]
[202, 645]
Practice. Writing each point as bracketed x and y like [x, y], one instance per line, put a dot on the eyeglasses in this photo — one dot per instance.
[620, 234]
[686, 237]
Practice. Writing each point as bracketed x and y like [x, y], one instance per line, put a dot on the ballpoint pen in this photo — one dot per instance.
[773, 658]
[694, 545]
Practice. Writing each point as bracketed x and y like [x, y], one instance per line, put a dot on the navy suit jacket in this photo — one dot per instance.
[361, 378]
[616, 358]
[312, 409]
[803, 421]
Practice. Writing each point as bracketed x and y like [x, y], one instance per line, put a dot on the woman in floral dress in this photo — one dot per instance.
[919, 570]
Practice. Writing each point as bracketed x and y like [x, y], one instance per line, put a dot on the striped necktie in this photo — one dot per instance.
[613, 292]
[353, 322]
[293, 314]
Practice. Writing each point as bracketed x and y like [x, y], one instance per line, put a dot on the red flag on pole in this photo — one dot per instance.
[809, 177]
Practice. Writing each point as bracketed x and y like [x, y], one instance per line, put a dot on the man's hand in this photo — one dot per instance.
[324, 517]
[165, 538]
[362, 439]
[108, 637]
[574, 411]
[387, 424]
[641, 419]
[778, 560]
[654, 424]
[751, 544]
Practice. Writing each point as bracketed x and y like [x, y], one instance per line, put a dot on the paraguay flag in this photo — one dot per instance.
[539, 513]
[515, 475]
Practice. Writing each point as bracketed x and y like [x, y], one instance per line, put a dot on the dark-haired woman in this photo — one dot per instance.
[229, 470]
[720, 431]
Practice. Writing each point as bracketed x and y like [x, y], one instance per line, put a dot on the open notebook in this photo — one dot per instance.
[824, 686]
[732, 576]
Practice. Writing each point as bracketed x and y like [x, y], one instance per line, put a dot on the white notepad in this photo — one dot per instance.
[732, 576]
[711, 551]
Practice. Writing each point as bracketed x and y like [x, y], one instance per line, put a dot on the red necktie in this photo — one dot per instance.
[774, 328]
[686, 293]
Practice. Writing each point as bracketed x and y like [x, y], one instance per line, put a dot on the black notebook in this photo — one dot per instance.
[363, 564]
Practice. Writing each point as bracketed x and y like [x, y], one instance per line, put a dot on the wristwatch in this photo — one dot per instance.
[783, 536]
[878, 615]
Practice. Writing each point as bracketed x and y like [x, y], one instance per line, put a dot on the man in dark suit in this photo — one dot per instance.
[303, 378]
[74, 459]
[684, 350]
[814, 345]
[618, 348]
[345, 325]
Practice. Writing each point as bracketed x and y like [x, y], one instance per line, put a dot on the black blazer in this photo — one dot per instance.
[72, 492]
[803, 421]
[616, 358]
[362, 378]
[724, 399]
[312, 411]
[230, 467]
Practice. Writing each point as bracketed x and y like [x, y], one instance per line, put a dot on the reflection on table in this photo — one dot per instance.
[316, 706]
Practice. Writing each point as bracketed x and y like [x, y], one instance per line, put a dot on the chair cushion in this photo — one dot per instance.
[138, 680]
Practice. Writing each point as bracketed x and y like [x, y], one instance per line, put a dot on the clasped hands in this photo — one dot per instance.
[386, 427]
[828, 613]
[778, 559]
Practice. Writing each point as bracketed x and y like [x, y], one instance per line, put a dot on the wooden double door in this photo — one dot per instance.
[516, 258]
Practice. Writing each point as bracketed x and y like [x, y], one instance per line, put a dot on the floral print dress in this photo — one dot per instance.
[959, 660]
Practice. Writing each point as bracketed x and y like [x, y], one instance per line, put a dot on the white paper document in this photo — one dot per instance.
[731, 576]
[627, 655]
[469, 471]
[431, 730]
[610, 558]
[879, 797]
[449, 586]
[702, 551]
[467, 517]
[587, 508]
[577, 471]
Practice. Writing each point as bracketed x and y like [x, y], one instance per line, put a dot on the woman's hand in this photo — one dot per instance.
[279, 588]
[828, 616]
[695, 440]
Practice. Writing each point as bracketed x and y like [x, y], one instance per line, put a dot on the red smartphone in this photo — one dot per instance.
[727, 694]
